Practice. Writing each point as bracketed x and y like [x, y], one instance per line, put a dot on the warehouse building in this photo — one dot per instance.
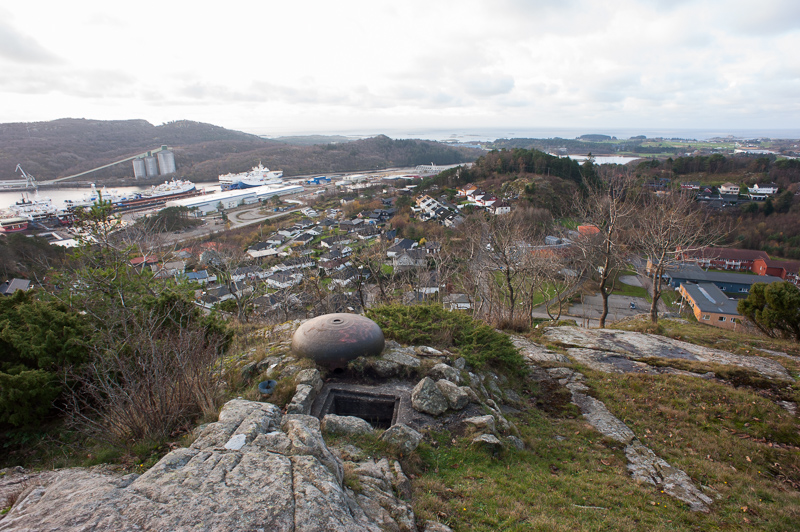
[202, 205]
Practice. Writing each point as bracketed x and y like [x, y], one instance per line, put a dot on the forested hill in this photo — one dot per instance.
[202, 151]
[542, 180]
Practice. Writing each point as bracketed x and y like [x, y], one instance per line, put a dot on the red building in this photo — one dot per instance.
[723, 258]
[785, 269]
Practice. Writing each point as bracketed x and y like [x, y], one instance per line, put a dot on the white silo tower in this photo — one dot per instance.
[151, 165]
[166, 162]
[139, 169]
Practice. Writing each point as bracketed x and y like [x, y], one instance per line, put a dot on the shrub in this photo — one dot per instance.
[38, 339]
[432, 325]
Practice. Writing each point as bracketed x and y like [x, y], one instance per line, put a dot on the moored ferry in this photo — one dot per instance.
[13, 224]
[257, 177]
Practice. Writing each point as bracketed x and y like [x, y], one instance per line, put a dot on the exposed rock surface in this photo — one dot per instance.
[302, 400]
[282, 478]
[345, 425]
[484, 423]
[426, 397]
[443, 371]
[646, 467]
[488, 441]
[456, 397]
[404, 438]
[605, 343]
[643, 464]
[536, 353]
[310, 377]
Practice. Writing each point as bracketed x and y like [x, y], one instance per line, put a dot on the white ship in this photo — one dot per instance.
[93, 196]
[168, 188]
[36, 208]
[257, 177]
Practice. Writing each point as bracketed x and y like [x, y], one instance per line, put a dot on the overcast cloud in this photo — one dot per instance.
[318, 66]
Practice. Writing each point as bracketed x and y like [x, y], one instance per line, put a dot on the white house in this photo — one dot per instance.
[729, 188]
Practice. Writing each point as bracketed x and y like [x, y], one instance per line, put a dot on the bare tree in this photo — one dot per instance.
[665, 225]
[609, 206]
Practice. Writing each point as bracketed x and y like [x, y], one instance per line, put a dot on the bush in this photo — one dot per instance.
[38, 340]
[773, 308]
[432, 325]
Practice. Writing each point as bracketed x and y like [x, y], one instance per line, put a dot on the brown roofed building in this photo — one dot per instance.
[723, 258]
[785, 269]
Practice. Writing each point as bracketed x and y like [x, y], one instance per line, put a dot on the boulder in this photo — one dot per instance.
[310, 377]
[426, 397]
[386, 368]
[482, 423]
[404, 438]
[473, 397]
[349, 425]
[443, 371]
[460, 363]
[488, 441]
[403, 359]
[456, 397]
[303, 398]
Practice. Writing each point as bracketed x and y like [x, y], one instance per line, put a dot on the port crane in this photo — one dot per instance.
[30, 181]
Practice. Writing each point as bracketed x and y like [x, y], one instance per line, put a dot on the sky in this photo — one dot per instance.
[312, 66]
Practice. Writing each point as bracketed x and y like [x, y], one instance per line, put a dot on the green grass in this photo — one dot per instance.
[718, 434]
[733, 440]
[432, 325]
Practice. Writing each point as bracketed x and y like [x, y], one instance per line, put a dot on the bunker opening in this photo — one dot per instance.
[378, 410]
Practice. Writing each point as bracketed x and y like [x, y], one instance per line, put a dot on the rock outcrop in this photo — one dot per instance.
[254, 469]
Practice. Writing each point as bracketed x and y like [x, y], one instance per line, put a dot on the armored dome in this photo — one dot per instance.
[332, 340]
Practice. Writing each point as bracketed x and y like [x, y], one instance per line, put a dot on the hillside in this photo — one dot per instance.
[67, 146]
[594, 429]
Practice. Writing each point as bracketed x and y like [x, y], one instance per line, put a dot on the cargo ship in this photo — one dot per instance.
[177, 188]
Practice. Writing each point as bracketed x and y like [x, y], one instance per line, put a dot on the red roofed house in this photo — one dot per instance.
[722, 258]
[785, 269]
[587, 230]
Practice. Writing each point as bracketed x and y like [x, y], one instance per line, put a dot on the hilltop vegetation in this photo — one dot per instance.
[63, 147]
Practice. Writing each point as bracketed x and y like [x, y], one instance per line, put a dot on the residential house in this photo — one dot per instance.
[500, 207]
[283, 279]
[367, 233]
[429, 282]
[168, 269]
[275, 240]
[296, 263]
[453, 220]
[332, 265]
[410, 259]
[466, 190]
[348, 275]
[339, 240]
[201, 277]
[729, 188]
[401, 245]
[457, 302]
[759, 192]
[142, 262]
[9, 287]
[432, 248]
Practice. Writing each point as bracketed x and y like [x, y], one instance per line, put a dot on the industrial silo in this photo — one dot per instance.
[166, 162]
[151, 165]
[138, 168]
